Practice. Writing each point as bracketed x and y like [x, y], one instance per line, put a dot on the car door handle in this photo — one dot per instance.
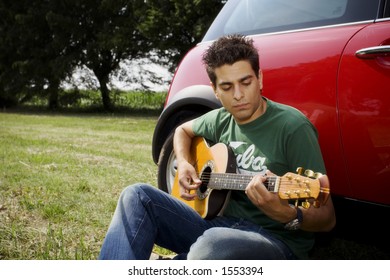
[373, 52]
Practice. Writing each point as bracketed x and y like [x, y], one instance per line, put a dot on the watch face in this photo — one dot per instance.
[293, 225]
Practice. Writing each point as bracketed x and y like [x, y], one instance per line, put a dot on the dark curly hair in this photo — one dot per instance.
[228, 50]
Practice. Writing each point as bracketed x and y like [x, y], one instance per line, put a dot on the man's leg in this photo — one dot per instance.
[221, 243]
[145, 216]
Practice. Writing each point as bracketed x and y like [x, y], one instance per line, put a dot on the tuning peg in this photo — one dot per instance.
[317, 175]
[307, 191]
[287, 193]
[316, 203]
[300, 170]
[297, 193]
[306, 204]
[309, 173]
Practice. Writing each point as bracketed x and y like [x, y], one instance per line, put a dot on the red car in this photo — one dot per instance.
[331, 60]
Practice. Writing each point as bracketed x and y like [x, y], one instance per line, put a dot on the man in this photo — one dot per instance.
[265, 137]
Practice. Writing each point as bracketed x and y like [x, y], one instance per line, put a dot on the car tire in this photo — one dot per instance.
[167, 167]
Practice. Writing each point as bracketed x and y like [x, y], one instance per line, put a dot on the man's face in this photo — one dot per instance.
[239, 91]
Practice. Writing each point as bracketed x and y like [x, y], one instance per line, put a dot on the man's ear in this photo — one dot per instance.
[261, 79]
[215, 90]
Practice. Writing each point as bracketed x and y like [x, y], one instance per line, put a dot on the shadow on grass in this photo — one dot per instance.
[361, 232]
[333, 247]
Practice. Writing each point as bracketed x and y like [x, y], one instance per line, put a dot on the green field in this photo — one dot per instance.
[61, 176]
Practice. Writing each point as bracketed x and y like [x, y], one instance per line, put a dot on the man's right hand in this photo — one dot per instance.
[188, 180]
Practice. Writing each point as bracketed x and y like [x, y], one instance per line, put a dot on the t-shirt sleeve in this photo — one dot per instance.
[303, 149]
[206, 125]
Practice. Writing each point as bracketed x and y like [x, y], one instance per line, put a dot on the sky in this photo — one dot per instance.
[132, 75]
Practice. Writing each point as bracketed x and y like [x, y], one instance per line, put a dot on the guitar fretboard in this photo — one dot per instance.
[239, 182]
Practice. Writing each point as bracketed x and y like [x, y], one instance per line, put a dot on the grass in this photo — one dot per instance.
[61, 176]
[91, 100]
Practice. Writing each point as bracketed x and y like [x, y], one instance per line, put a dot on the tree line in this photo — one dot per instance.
[43, 41]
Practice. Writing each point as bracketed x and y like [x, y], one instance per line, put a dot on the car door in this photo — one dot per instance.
[364, 112]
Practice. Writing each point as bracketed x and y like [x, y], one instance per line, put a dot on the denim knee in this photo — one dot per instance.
[207, 246]
[132, 191]
[220, 243]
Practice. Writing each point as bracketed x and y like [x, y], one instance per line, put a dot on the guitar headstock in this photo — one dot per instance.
[304, 187]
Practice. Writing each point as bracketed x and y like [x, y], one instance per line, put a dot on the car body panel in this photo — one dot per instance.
[308, 64]
[190, 72]
[364, 106]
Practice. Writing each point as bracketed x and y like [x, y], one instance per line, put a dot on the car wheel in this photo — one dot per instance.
[167, 166]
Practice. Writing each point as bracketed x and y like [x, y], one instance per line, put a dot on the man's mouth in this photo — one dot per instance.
[240, 106]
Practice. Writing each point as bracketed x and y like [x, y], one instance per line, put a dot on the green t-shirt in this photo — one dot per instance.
[280, 140]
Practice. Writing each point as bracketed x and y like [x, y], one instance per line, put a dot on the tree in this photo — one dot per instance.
[34, 60]
[98, 34]
[109, 33]
[42, 41]
[185, 22]
[8, 38]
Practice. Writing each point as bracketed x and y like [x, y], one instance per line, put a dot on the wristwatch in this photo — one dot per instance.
[296, 223]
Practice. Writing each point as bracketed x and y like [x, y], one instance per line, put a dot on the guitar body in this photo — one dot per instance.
[218, 158]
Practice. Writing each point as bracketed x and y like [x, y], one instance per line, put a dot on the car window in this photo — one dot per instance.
[254, 14]
[263, 16]
[387, 10]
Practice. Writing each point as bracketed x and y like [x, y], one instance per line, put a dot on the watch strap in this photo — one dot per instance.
[299, 215]
[296, 222]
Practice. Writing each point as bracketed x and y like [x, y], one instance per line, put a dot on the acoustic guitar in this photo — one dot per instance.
[216, 168]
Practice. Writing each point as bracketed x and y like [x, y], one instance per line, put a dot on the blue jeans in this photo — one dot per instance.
[145, 216]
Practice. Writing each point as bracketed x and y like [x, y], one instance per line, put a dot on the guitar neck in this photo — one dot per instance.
[231, 181]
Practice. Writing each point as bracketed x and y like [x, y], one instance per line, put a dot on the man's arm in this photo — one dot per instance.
[315, 219]
[322, 218]
[188, 179]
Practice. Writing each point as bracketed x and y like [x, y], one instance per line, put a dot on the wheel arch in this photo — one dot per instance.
[186, 104]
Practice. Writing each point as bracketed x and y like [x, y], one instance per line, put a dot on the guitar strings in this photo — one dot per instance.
[242, 178]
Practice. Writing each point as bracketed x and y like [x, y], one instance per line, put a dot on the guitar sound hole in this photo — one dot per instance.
[205, 178]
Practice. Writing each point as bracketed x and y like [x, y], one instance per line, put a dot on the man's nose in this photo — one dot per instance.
[237, 93]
